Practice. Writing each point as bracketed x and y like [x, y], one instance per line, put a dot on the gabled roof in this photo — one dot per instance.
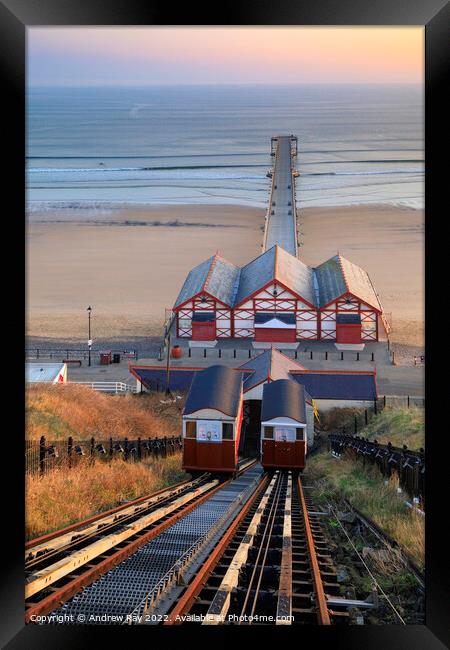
[275, 264]
[216, 387]
[283, 398]
[338, 276]
[269, 364]
[319, 286]
[216, 276]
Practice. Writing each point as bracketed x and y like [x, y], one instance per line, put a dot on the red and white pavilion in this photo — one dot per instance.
[276, 298]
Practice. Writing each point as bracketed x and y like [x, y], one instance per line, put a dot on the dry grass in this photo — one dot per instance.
[365, 489]
[59, 411]
[66, 496]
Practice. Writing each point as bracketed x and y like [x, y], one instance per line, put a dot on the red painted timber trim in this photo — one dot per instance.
[296, 295]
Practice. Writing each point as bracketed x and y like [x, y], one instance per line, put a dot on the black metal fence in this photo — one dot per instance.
[43, 456]
[68, 354]
[408, 465]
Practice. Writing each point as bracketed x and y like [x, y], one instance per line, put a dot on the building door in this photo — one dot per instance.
[204, 326]
[348, 328]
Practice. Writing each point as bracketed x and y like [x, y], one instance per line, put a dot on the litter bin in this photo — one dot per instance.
[105, 358]
[116, 357]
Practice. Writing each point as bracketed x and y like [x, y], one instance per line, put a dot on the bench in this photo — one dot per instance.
[73, 362]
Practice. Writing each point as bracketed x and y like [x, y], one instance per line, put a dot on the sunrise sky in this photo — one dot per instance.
[221, 55]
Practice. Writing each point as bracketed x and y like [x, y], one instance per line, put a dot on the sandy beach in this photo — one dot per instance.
[129, 263]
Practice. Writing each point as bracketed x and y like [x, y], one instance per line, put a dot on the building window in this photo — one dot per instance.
[227, 431]
[268, 433]
[191, 429]
[300, 434]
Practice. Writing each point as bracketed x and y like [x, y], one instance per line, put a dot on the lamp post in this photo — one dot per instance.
[89, 309]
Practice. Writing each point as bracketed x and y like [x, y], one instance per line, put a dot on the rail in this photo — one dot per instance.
[74, 353]
[115, 387]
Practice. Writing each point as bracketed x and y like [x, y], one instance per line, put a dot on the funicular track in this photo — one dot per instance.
[272, 567]
[162, 526]
[59, 565]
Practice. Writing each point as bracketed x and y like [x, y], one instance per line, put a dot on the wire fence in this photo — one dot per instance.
[43, 456]
[408, 465]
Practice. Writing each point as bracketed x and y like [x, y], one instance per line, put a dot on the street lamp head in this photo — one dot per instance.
[89, 309]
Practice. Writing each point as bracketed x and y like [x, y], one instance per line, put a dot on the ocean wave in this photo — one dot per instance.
[366, 173]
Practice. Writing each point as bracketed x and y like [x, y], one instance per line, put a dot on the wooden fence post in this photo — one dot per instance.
[92, 449]
[125, 448]
[375, 406]
[139, 449]
[111, 448]
[69, 450]
[366, 417]
[42, 455]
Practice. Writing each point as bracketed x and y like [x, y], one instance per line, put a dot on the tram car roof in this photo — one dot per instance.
[283, 398]
[217, 387]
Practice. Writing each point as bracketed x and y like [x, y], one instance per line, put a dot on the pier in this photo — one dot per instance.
[281, 219]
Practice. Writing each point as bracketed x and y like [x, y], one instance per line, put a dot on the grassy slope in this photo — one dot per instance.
[63, 497]
[62, 410]
[365, 489]
[364, 486]
[398, 426]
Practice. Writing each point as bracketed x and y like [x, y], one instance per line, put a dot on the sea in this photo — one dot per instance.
[100, 147]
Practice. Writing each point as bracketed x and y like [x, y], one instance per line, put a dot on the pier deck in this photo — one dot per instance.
[281, 223]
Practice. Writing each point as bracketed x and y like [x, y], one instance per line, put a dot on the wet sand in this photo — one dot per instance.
[129, 263]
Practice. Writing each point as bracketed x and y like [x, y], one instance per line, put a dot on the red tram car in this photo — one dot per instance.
[283, 426]
[212, 419]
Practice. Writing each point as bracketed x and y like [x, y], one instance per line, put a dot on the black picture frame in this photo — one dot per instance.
[15, 16]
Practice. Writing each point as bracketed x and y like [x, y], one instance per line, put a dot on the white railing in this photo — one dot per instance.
[115, 387]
